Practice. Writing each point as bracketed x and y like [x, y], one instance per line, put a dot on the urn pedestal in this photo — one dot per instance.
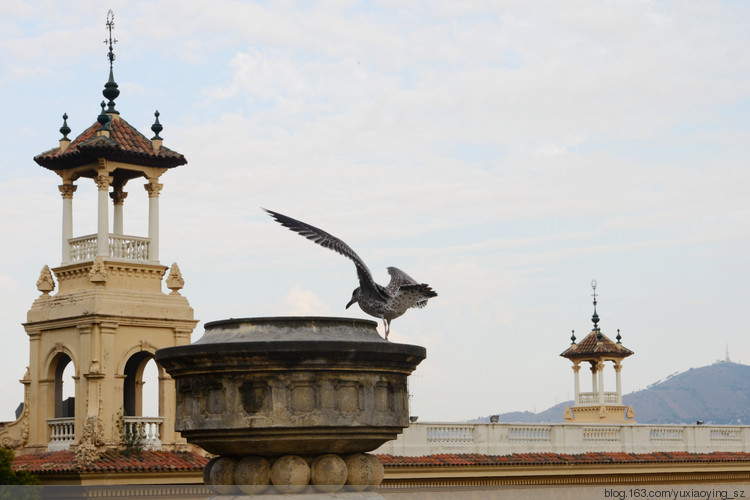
[303, 397]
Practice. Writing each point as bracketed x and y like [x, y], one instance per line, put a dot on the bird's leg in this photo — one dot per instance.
[387, 324]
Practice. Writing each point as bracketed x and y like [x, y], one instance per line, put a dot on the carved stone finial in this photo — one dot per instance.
[45, 283]
[175, 281]
[98, 273]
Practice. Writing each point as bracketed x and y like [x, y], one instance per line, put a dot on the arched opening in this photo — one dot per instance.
[139, 370]
[140, 401]
[60, 403]
[64, 393]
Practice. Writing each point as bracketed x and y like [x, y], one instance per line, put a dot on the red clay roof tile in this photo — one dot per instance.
[124, 143]
[111, 461]
[591, 346]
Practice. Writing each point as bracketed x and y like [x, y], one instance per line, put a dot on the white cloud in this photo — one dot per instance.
[502, 152]
[299, 302]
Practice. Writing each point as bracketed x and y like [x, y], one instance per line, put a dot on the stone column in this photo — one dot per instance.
[618, 368]
[118, 199]
[103, 181]
[600, 370]
[67, 188]
[153, 188]
[576, 384]
[593, 378]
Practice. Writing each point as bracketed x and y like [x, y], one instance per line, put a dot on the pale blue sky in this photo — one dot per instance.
[506, 153]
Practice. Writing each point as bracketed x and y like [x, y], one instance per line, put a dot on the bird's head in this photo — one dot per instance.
[355, 297]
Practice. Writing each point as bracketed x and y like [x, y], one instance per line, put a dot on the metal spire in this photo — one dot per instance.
[110, 88]
[595, 317]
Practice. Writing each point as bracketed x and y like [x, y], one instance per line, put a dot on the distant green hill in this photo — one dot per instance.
[714, 394]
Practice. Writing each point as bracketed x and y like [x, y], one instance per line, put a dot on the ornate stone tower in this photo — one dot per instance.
[596, 349]
[109, 315]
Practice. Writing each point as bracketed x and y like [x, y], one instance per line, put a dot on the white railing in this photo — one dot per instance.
[62, 433]
[601, 433]
[120, 247]
[450, 433]
[529, 433]
[592, 398]
[425, 438]
[656, 434]
[148, 428]
[726, 434]
[83, 248]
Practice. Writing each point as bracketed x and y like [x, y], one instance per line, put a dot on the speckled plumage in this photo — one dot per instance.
[386, 303]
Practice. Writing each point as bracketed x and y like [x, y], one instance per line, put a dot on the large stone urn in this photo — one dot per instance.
[291, 400]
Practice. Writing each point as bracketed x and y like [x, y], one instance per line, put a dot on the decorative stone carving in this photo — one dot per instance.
[103, 181]
[15, 435]
[45, 283]
[118, 195]
[153, 188]
[175, 282]
[91, 445]
[98, 273]
[67, 190]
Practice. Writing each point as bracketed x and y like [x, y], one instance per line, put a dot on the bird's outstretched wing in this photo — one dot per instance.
[402, 281]
[398, 279]
[327, 240]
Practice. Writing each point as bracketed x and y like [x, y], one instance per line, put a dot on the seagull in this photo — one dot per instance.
[386, 303]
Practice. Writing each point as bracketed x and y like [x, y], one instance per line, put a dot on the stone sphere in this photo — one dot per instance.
[290, 474]
[328, 473]
[378, 471]
[221, 475]
[252, 474]
[360, 473]
[207, 470]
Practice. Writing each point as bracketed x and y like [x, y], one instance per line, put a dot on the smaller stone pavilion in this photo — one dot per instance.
[597, 349]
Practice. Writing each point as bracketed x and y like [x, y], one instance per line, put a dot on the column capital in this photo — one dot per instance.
[67, 189]
[103, 181]
[576, 368]
[153, 187]
[118, 195]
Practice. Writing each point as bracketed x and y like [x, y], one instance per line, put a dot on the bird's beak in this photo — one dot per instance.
[350, 303]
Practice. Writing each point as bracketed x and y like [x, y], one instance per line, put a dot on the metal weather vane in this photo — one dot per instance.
[111, 41]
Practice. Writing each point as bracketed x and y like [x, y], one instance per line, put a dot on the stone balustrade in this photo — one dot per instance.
[507, 438]
[148, 428]
[592, 398]
[84, 248]
[62, 433]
